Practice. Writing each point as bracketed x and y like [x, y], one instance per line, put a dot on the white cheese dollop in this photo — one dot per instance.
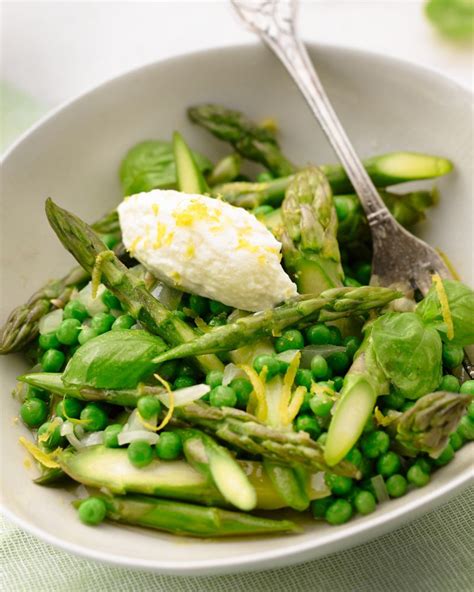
[205, 246]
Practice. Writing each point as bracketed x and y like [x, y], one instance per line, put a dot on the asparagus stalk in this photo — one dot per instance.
[285, 481]
[81, 241]
[384, 170]
[189, 176]
[226, 170]
[427, 425]
[331, 304]
[251, 141]
[310, 247]
[191, 520]
[101, 467]
[217, 464]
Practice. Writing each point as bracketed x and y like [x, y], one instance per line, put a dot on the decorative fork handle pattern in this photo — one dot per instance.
[273, 21]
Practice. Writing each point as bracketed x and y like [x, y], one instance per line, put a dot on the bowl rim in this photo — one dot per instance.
[338, 540]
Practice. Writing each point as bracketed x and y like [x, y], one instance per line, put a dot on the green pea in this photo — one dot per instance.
[242, 388]
[49, 436]
[102, 322]
[364, 502]
[74, 309]
[306, 423]
[322, 439]
[338, 383]
[111, 433]
[179, 314]
[366, 468]
[217, 308]
[445, 457]
[466, 428]
[69, 408]
[140, 453]
[52, 360]
[354, 456]
[86, 334]
[199, 305]
[110, 240]
[318, 334]
[169, 370]
[34, 412]
[321, 405]
[265, 177]
[352, 344]
[369, 425]
[92, 511]
[394, 400]
[123, 322]
[263, 210]
[290, 339]
[111, 301]
[396, 485]
[169, 446]
[183, 382]
[417, 477]
[339, 485]
[339, 512]
[339, 362]
[363, 273]
[452, 355]
[406, 406]
[375, 443]
[335, 336]
[470, 410]
[342, 207]
[449, 383]
[214, 378]
[388, 464]
[270, 362]
[48, 341]
[223, 396]
[319, 368]
[351, 282]
[304, 378]
[68, 331]
[94, 418]
[319, 507]
[424, 465]
[467, 387]
[218, 321]
[148, 406]
[34, 392]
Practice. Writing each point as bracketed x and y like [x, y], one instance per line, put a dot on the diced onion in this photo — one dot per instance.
[132, 436]
[168, 296]
[186, 395]
[93, 305]
[93, 439]
[308, 353]
[231, 372]
[380, 489]
[67, 429]
[288, 356]
[50, 322]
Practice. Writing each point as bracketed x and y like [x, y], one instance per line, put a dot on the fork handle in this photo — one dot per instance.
[276, 29]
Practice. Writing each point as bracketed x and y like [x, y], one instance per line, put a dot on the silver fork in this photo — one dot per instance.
[399, 258]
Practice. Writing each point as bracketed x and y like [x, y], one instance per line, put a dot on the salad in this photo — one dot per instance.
[219, 353]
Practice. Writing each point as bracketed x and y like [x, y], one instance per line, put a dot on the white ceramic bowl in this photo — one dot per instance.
[73, 156]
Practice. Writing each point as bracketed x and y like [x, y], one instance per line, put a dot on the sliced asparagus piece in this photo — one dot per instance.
[191, 520]
[331, 304]
[190, 178]
[248, 139]
[217, 464]
[226, 170]
[81, 241]
[286, 482]
[309, 237]
[427, 425]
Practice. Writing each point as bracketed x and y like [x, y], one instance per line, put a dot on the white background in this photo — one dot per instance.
[55, 50]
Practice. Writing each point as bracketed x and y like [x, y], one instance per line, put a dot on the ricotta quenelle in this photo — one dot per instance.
[207, 247]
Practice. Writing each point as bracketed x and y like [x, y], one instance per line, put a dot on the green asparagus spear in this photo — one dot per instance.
[101, 467]
[217, 464]
[310, 247]
[189, 176]
[285, 481]
[249, 140]
[226, 170]
[331, 304]
[80, 240]
[427, 425]
[191, 520]
[384, 170]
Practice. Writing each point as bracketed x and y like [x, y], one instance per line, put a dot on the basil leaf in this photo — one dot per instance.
[408, 352]
[115, 360]
[150, 165]
[461, 306]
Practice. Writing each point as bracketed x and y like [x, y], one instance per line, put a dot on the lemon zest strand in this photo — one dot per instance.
[382, 419]
[288, 381]
[54, 424]
[444, 302]
[321, 389]
[40, 456]
[169, 415]
[296, 401]
[258, 383]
